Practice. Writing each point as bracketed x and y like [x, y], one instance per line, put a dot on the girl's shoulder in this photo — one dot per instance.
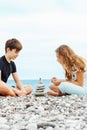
[84, 60]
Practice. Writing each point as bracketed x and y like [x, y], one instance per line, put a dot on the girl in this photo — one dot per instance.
[75, 74]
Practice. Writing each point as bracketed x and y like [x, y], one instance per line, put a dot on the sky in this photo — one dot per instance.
[42, 26]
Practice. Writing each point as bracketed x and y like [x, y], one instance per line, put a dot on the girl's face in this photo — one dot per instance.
[59, 58]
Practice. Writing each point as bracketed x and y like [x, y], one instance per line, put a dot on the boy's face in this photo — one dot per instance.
[13, 53]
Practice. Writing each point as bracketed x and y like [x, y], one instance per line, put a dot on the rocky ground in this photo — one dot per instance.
[43, 113]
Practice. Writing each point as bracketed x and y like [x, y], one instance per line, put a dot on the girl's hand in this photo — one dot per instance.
[55, 81]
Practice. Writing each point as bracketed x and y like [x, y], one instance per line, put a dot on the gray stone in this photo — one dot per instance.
[40, 89]
[31, 126]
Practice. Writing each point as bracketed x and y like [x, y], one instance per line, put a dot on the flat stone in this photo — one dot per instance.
[40, 94]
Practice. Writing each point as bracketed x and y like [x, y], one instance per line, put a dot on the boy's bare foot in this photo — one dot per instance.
[18, 92]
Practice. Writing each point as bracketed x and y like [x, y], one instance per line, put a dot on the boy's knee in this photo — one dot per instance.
[29, 89]
[8, 93]
[11, 93]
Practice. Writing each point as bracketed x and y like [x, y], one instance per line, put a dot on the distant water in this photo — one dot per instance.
[34, 83]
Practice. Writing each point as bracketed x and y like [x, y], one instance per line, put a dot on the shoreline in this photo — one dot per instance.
[43, 113]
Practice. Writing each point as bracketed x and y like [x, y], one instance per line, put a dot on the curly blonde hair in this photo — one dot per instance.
[70, 59]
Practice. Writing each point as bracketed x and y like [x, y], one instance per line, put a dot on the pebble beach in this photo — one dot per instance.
[43, 113]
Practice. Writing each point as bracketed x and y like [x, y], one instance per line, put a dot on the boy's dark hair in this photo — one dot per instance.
[13, 44]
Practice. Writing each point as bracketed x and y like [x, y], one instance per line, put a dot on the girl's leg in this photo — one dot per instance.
[70, 88]
[55, 91]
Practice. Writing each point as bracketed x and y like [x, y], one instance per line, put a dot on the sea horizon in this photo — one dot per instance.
[32, 82]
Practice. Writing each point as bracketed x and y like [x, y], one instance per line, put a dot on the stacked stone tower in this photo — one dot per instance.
[40, 89]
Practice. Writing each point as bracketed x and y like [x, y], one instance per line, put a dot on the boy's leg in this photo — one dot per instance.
[28, 89]
[6, 91]
[18, 92]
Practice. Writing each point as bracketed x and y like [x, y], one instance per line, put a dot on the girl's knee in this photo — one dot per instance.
[51, 87]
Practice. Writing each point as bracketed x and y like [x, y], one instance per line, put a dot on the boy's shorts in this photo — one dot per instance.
[13, 86]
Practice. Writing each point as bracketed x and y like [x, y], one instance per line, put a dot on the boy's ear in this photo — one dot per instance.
[8, 49]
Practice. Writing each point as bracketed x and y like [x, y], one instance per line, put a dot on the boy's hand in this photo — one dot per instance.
[21, 93]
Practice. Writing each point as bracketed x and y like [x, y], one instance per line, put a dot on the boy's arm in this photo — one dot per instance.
[17, 81]
[19, 84]
[2, 83]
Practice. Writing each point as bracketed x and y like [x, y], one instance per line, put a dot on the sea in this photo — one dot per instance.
[33, 82]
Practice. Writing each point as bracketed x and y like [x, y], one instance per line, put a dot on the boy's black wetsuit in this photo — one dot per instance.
[6, 68]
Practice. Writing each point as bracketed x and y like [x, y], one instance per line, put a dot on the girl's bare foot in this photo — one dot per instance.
[52, 93]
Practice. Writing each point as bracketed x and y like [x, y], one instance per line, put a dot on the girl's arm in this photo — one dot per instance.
[57, 81]
[79, 78]
[79, 81]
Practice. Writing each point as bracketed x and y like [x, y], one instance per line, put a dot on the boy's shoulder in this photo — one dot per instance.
[12, 62]
[1, 61]
[2, 58]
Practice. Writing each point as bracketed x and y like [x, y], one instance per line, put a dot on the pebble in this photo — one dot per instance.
[43, 113]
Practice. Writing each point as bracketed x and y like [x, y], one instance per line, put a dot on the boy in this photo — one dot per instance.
[7, 67]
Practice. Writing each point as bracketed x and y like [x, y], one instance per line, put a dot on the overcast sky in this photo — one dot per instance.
[41, 26]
